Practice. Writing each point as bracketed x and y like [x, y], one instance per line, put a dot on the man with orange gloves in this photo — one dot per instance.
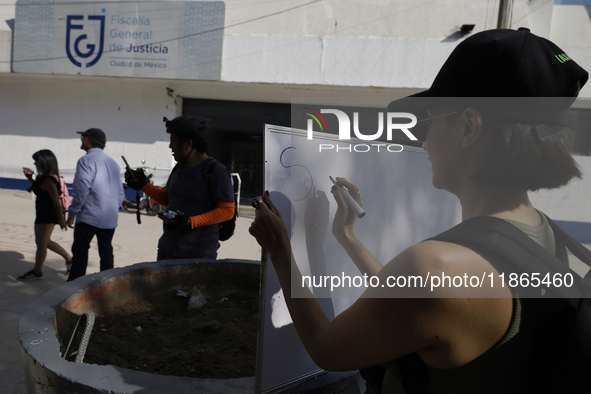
[199, 190]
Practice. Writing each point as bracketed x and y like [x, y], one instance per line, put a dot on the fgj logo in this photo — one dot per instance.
[345, 124]
[91, 48]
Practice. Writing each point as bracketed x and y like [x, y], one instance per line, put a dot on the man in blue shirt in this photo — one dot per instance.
[98, 194]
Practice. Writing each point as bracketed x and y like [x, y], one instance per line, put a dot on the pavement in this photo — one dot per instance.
[132, 244]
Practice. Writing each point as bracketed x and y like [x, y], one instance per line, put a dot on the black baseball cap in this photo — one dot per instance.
[94, 133]
[509, 64]
[187, 124]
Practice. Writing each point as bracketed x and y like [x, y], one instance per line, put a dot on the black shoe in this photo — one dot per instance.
[31, 275]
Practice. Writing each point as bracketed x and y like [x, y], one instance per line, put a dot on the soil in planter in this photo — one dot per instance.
[217, 341]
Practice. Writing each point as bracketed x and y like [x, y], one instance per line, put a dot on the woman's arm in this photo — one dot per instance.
[342, 229]
[371, 331]
[51, 188]
[29, 176]
[408, 311]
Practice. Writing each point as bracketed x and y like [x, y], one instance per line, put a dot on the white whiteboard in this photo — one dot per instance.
[402, 206]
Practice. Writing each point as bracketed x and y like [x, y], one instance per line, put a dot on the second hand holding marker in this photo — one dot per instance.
[349, 199]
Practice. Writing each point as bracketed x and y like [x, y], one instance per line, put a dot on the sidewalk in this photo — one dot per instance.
[132, 244]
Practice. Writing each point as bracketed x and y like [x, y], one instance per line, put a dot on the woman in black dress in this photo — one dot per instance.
[48, 209]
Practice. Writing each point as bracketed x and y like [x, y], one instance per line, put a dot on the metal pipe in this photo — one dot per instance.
[505, 14]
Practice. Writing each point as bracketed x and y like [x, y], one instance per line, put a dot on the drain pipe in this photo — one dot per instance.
[505, 14]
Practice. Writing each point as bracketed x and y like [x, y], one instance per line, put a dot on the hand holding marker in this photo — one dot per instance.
[257, 203]
[349, 199]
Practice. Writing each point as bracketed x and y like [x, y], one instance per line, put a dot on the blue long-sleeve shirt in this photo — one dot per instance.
[97, 190]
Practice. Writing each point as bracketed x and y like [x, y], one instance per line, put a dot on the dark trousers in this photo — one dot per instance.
[163, 255]
[83, 234]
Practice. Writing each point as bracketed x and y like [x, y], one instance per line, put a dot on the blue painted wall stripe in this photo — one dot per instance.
[14, 184]
[571, 2]
[23, 184]
[581, 231]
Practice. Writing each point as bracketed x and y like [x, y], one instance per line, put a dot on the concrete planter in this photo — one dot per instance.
[57, 311]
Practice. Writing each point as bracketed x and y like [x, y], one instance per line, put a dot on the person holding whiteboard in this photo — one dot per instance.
[450, 340]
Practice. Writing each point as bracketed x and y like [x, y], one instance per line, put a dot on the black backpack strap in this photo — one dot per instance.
[517, 252]
[57, 184]
[565, 342]
[413, 372]
[207, 171]
[581, 252]
[138, 216]
[174, 169]
[583, 318]
[374, 378]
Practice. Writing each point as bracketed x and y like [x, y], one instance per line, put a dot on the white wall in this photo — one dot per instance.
[68, 152]
[346, 18]
[335, 61]
[272, 52]
[417, 19]
[5, 49]
[571, 202]
[570, 26]
[571, 31]
[44, 112]
[363, 43]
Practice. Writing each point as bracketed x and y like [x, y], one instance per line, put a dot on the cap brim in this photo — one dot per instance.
[418, 104]
[547, 113]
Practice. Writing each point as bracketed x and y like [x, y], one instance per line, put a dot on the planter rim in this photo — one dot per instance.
[40, 344]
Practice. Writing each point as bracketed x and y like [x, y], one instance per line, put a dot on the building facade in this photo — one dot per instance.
[123, 66]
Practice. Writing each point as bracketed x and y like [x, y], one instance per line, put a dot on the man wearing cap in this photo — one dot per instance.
[199, 190]
[98, 194]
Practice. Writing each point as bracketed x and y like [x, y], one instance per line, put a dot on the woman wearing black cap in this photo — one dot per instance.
[487, 341]
[48, 210]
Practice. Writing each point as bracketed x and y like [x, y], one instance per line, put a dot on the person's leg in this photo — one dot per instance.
[82, 236]
[42, 236]
[104, 238]
[57, 248]
[164, 255]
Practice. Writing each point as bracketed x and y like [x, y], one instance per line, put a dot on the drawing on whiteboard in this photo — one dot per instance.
[295, 180]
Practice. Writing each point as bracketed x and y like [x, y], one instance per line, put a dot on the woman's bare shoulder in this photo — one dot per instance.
[440, 263]
[467, 311]
[437, 254]
[446, 255]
